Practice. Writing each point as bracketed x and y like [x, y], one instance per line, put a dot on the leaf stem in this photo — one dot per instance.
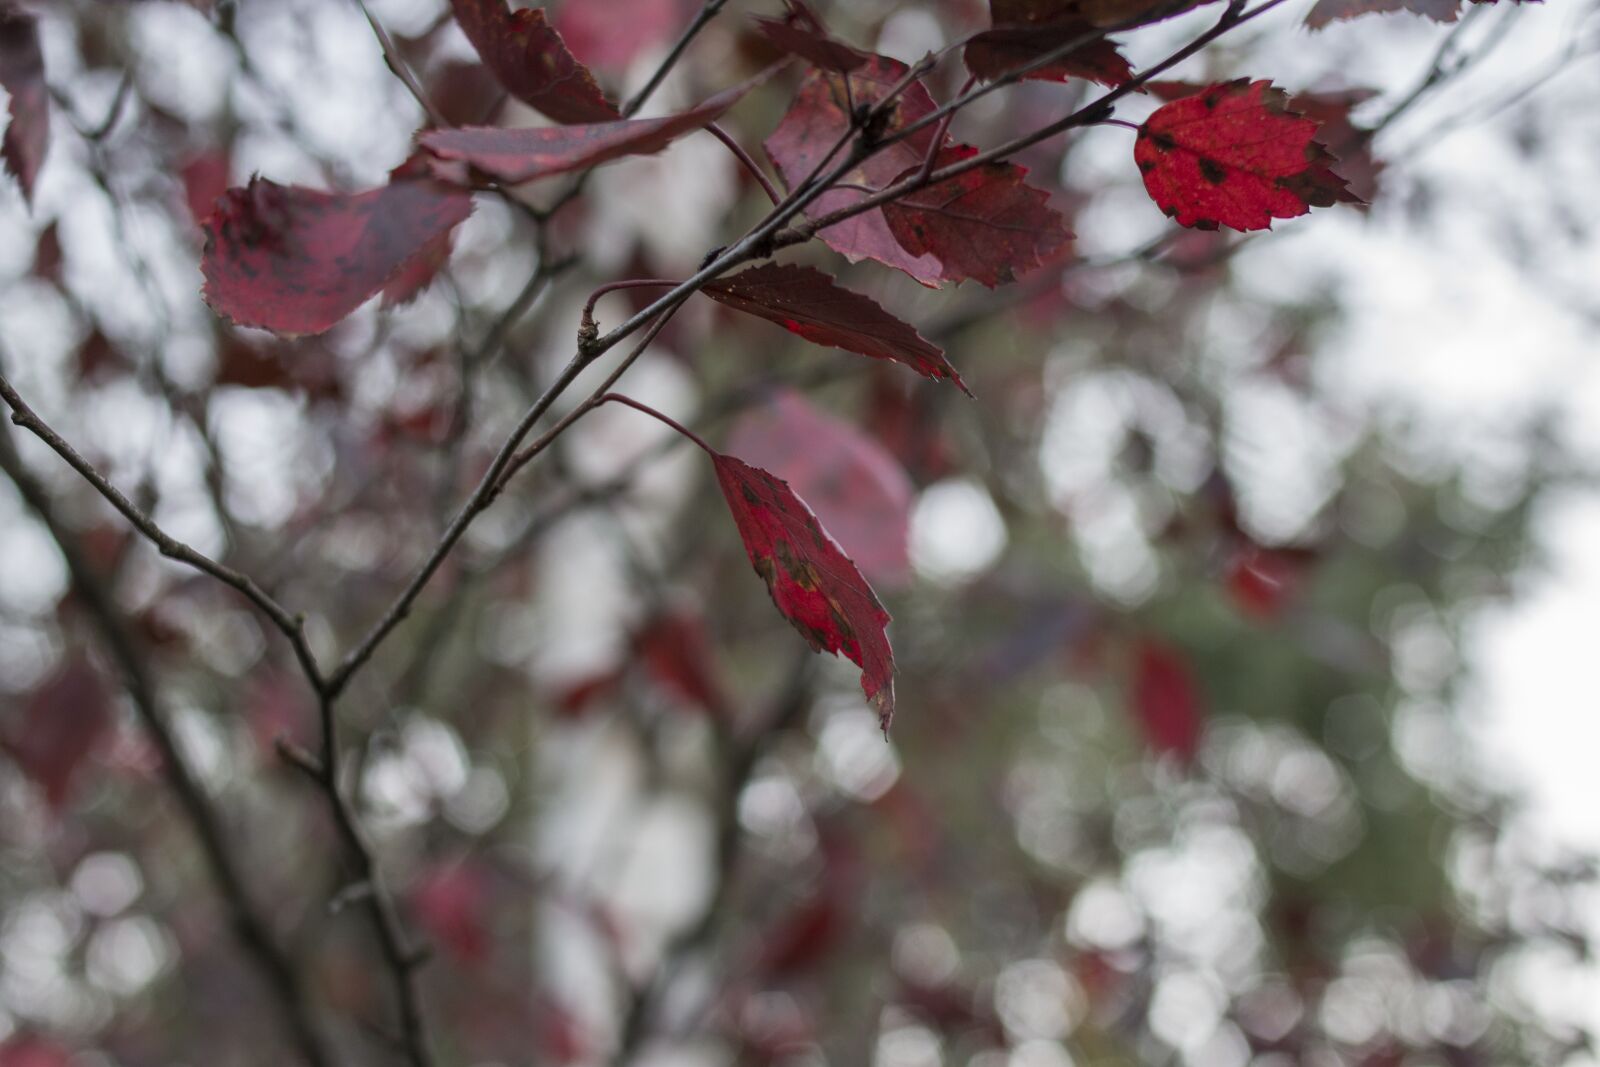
[618, 398]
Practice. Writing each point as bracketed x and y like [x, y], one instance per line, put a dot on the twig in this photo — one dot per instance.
[744, 158]
[401, 69]
[292, 626]
[253, 932]
[707, 12]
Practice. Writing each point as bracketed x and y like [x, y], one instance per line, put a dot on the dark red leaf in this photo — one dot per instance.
[676, 650]
[520, 155]
[987, 224]
[802, 938]
[803, 34]
[1261, 581]
[1094, 12]
[419, 271]
[1328, 11]
[296, 261]
[1350, 144]
[812, 582]
[1166, 700]
[29, 1051]
[859, 492]
[1235, 155]
[806, 302]
[47, 255]
[1005, 48]
[532, 62]
[451, 901]
[815, 122]
[27, 138]
[60, 726]
[613, 33]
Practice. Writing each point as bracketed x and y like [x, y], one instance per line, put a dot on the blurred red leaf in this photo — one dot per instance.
[205, 180]
[987, 224]
[1350, 144]
[812, 582]
[859, 492]
[1007, 47]
[1166, 700]
[61, 724]
[28, 1051]
[1261, 580]
[47, 255]
[27, 138]
[806, 302]
[1234, 154]
[520, 155]
[675, 649]
[802, 938]
[614, 33]
[297, 261]
[451, 902]
[817, 119]
[801, 33]
[530, 59]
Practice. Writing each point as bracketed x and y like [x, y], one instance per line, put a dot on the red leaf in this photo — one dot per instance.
[22, 73]
[859, 492]
[532, 62]
[817, 119]
[803, 34]
[1166, 700]
[205, 180]
[1262, 580]
[1006, 47]
[1235, 155]
[450, 902]
[1328, 11]
[812, 582]
[60, 726]
[33, 1052]
[1093, 12]
[806, 302]
[613, 33]
[296, 261]
[47, 255]
[677, 652]
[419, 271]
[987, 224]
[521, 155]
[1350, 144]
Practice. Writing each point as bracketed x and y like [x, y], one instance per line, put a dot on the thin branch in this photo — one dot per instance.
[707, 12]
[400, 68]
[749, 164]
[254, 933]
[292, 626]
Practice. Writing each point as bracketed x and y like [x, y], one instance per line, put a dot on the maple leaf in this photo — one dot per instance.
[986, 224]
[27, 138]
[531, 60]
[801, 33]
[1166, 700]
[1235, 155]
[812, 582]
[296, 260]
[806, 302]
[859, 492]
[521, 155]
[1011, 45]
[62, 724]
[818, 117]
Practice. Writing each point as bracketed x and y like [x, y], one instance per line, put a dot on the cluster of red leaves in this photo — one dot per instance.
[1236, 154]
